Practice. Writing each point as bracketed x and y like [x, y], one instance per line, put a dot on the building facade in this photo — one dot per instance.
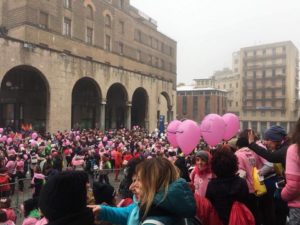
[83, 64]
[195, 103]
[270, 85]
[262, 87]
[228, 81]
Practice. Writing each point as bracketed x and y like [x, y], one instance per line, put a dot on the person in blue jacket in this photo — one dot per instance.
[160, 197]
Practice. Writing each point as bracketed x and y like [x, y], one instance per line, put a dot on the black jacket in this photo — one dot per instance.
[222, 192]
[85, 217]
[277, 156]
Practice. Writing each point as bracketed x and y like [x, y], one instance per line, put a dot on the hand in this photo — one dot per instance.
[96, 209]
[251, 136]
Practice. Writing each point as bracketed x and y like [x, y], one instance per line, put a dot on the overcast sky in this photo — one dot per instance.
[209, 31]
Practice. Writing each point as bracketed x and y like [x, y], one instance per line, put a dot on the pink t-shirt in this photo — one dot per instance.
[247, 160]
[291, 191]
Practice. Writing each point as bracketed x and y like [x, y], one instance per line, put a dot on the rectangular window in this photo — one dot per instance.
[67, 4]
[89, 35]
[162, 64]
[67, 27]
[171, 67]
[195, 107]
[122, 27]
[138, 55]
[156, 60]
[207, 105]
[150, 60]
[121, 48]
[44, 19]
[107, 43]
[184, 105]
[121, 4]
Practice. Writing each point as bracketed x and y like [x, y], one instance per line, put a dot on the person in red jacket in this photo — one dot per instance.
[118, 163]
[4, 183]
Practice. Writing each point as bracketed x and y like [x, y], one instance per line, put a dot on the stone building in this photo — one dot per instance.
[195, 103]
[269, 85]
[83, 63]
[228, 81]
[263, 88]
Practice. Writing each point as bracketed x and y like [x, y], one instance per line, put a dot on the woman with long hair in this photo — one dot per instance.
[291, 191]
[160, 196]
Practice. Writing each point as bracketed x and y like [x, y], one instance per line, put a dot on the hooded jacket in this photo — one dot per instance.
[222, 192]
[178, 203]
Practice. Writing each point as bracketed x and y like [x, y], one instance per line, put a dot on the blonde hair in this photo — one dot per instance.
[155, 175]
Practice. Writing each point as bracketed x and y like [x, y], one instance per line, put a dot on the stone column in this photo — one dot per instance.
[102, 114]
[169, 114]
[128, 119]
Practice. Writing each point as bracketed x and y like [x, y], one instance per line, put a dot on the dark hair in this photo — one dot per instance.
[29, 205]
[224, 164]
[244, 134]
[242, 142]
[296, 135]
[3, 216]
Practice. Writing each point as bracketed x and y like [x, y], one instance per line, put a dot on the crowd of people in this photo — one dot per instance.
[218, 185]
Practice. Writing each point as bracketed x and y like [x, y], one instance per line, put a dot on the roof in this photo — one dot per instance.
[193, 88]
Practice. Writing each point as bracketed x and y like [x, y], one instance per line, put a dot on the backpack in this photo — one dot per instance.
[206, 212]
[240, 215]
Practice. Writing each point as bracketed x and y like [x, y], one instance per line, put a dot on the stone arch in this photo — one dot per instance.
[108, 18]
[139, 109]
[164, 107]
[86, 98]
[116, 111]
[24, 101]
[90, 3]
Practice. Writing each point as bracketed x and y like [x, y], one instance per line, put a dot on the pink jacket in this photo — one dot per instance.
[247, 160]
[291, 191]
[200, 181]
[29, 221]
[42, 221]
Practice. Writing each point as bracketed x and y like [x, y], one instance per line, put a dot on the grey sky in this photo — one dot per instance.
[209, 31]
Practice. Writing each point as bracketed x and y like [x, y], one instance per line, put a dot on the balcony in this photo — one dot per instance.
[255, 58]
[263, 108]
[261, 67]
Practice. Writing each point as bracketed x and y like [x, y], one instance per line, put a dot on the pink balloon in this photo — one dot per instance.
[34, 135]
[77, 138]
[1, 130]
[110, 143]
[212, 129]
[188, 136]
[232, 125]
[9, 140]
[104, 138]
[171, 132]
